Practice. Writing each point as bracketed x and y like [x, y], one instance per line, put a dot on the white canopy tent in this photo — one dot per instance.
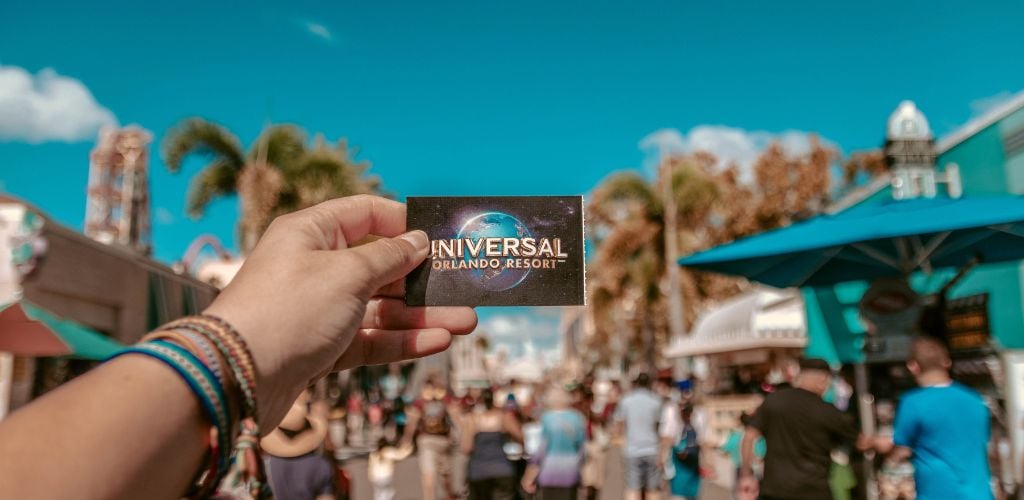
[762, 318]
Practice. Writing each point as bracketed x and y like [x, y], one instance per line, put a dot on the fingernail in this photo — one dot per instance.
[418, 239]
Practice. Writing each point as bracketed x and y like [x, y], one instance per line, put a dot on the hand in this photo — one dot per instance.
[865, 442]
[308, 302]
[529, 486]
[748, 488]
[661, 461]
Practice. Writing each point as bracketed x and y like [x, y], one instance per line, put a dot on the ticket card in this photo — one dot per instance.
[498, 251]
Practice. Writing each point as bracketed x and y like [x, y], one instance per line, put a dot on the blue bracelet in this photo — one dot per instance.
[191, 369]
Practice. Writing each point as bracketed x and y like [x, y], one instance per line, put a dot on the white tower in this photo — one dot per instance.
[117, 209]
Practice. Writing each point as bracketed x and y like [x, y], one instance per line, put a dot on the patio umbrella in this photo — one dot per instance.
[28, 330]
[891, 238]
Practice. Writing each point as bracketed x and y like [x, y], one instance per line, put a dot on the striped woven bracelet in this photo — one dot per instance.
[203, 384]
[234, 351]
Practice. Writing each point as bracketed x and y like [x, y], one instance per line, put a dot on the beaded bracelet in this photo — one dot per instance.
[200, 380]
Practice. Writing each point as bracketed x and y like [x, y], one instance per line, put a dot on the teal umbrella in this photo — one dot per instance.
[892, 238]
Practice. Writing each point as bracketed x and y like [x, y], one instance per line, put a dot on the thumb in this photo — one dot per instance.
[388, 259]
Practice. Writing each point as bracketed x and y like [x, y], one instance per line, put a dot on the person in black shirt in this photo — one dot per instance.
[800, 430]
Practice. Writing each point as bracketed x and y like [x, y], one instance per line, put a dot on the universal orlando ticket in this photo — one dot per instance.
[498, 251]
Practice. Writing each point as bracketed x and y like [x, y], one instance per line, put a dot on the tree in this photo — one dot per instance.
[278, 174]
[628, 278]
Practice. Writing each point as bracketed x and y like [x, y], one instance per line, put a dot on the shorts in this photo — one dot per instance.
[434, 454]
[643, 473]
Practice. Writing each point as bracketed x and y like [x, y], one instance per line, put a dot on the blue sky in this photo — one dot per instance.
[487, 97]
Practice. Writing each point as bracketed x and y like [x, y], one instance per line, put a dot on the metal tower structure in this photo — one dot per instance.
[117, 209]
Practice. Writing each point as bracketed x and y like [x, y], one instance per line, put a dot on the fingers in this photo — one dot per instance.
[393, 314]
[337, 223]
[358, 216]
[375, 347]
[385, 260]
[395, 289]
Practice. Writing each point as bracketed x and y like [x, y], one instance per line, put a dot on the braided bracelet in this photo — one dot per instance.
[202, 383]
[203, 349]
[234, 351]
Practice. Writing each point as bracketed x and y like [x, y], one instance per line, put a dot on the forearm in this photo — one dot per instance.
[530, 475]
[410, 429]
[129, 428]
[664, 445]
[747, 450]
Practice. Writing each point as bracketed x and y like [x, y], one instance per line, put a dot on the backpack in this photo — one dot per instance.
[435, 418]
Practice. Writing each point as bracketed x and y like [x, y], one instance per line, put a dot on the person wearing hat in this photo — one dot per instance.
[295, 468]
[800, 430]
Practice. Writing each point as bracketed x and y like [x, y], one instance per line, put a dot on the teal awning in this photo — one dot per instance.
[29, 330]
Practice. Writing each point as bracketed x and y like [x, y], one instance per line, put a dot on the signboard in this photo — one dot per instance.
[891, 307]
[967, 323]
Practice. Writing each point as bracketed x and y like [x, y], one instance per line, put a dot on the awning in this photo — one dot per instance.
[762, 318]
[886, 239]
[28, 330]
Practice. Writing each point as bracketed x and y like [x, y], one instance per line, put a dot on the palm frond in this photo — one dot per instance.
[219, 178]
[325, 172]
[204, 138]
[279, 145]
[622, 195]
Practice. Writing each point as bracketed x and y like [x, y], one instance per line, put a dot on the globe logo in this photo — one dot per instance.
[494, 225]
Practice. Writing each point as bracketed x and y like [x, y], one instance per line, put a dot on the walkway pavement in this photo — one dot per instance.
[407, 480]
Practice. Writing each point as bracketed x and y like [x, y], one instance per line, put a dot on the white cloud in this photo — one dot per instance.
[729, 144]
[319, 30]
[48, 107]
[164, 216]
[985, 104]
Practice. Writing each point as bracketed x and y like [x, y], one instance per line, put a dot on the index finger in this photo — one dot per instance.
[345, 220]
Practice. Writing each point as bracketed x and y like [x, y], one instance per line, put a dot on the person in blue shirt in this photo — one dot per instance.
[943, 427]
[555, 468]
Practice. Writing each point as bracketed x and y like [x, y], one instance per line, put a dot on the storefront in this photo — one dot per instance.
[739, 349]
[94, 294]
[932, 246]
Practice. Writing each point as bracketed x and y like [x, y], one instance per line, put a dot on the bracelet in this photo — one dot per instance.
[219, 343]
[234, 350]
[202, 383]
[203, 349]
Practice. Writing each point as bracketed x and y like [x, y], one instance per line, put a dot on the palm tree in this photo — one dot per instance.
[278, 174]
[629, 284]
[636, 236]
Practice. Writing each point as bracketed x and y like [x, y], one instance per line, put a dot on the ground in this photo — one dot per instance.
[407, 480]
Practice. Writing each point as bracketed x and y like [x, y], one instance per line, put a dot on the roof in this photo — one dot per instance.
[762, 318]
[980, 123]
[949, 141]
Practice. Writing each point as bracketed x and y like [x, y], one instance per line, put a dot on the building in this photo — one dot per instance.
[106, 288]
[469, 364]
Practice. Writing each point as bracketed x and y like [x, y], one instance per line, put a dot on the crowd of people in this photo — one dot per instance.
[545, 440]
[557, 439]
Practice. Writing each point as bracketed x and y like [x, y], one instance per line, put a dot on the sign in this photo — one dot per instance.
[891, 307]
[967, 323]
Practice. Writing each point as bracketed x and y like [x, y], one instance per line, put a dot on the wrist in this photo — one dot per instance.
[275, 389]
